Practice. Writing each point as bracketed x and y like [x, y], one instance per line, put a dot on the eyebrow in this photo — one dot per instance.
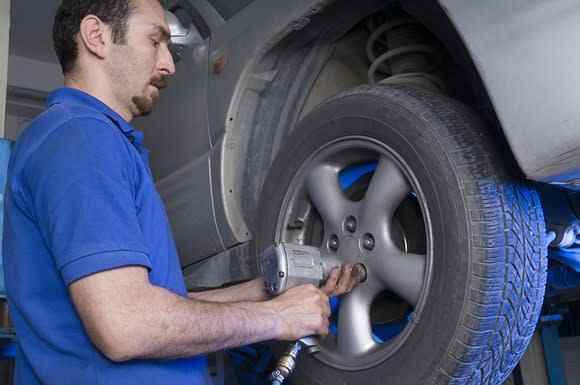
[163, 32]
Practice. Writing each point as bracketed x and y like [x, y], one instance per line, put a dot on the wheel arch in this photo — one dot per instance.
[287, 79]
[240, 72]
[264, 100]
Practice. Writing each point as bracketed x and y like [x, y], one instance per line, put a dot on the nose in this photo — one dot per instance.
[166, 63]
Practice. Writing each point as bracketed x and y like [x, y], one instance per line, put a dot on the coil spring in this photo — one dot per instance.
[407, 58]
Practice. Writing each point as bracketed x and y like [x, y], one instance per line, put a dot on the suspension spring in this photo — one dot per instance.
[407, 57]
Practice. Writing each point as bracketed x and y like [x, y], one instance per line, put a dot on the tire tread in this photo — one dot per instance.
[493, 190]
[507, 243]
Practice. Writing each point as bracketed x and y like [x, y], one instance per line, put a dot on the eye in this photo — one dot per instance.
[155, 43]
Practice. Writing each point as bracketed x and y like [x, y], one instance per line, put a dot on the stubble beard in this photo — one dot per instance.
[145, 104]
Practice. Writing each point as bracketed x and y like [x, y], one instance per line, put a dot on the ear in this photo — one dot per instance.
[94, 35]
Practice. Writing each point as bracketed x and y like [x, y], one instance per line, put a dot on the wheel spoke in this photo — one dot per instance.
[403, 273]
[326, 195]
[354, 324]
[386, 191]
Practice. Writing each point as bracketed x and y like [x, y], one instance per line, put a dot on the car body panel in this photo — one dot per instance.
[525, 54]
[178, 136]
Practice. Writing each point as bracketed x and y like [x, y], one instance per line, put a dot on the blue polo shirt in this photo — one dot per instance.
[80, 199]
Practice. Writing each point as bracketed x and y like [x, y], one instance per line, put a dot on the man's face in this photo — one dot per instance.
[139, 68]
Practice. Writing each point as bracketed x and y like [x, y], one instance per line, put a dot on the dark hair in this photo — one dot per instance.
[68, 20]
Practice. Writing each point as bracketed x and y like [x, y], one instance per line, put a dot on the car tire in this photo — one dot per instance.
[457, 267]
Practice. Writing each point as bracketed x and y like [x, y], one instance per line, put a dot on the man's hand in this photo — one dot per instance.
[302, 311]
[338, 284]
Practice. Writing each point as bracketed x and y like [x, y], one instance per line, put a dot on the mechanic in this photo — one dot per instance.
[93, 278]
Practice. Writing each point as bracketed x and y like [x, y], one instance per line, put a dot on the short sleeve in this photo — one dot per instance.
[82, 181]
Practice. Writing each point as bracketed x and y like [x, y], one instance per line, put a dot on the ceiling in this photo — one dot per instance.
[31, 29]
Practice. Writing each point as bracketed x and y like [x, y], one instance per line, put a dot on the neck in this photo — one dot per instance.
[99, 88]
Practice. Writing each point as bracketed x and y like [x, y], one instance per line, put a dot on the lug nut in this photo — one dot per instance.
[333, 243]
[368, 242]
[350, 224]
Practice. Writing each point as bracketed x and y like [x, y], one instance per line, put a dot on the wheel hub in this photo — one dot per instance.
[361, 226]
[348, 250]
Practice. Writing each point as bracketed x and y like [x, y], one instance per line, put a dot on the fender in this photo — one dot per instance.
[524, 53]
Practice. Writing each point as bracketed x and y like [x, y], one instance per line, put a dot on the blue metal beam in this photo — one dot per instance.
[552, 352]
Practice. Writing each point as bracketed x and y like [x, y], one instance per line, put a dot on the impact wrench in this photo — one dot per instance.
[287, 265]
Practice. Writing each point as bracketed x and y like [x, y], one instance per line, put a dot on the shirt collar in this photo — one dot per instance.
[74, 96]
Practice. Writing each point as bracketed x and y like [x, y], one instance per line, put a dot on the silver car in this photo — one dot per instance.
[436, 142]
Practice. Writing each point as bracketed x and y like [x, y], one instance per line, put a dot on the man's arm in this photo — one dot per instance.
[128, 318]
[337, 284]
[252, 291]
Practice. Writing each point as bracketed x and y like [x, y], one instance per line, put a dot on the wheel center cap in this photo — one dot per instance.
[349, 249]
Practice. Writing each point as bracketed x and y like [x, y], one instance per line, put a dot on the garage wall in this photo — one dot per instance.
[33, 74]
[29, 81]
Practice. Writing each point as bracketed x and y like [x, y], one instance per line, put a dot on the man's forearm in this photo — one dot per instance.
[186, 327]
[162, 325]
[252, 291]
[128, 318]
